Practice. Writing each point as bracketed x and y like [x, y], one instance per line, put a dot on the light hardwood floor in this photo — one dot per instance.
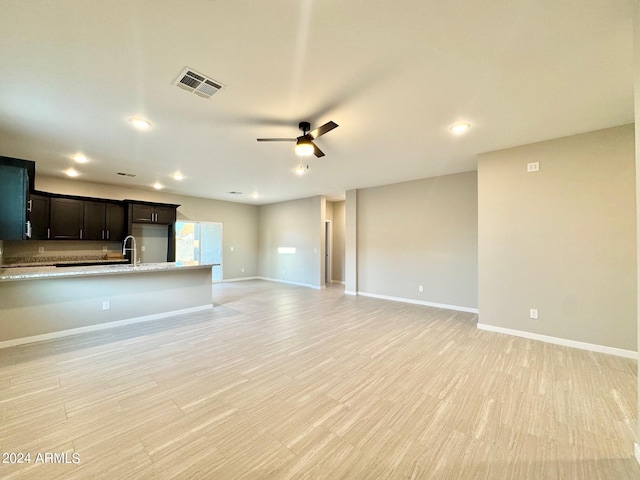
[286, 382]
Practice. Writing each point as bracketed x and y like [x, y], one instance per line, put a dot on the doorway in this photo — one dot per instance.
[200, 242]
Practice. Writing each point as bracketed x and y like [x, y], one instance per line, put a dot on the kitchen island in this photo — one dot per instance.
[40, 303]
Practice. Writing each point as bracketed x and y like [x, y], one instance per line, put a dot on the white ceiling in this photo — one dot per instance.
[393, 74]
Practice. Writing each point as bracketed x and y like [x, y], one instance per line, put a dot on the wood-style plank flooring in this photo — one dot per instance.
[286, 382]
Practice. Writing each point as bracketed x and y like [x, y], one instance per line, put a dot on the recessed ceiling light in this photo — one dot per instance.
[70, 172]
[140, 123]
[177, 176]
[157, 185]
[460, 128]
[80, 158]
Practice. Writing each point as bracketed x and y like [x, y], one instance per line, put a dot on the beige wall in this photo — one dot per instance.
[422, 232]
[240, 221]
[561, 240]
[298, 224]
[351, 242]
[337, 257]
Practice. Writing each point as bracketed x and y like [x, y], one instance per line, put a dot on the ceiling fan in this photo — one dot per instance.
[304, 143]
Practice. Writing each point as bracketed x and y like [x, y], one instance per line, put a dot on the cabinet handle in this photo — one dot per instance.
[80, 234]
[48, 233]
[107, 234]
[102, 235]
[28, 232]
[29, 205]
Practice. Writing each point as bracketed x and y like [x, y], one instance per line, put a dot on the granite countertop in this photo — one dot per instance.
[47, 272]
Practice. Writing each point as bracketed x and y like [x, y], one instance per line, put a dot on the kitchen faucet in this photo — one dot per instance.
[133, 249]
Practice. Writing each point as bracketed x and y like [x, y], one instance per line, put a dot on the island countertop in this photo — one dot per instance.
[47, 272]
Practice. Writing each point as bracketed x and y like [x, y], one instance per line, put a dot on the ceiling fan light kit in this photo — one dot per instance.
[304, 147]
[304, 143]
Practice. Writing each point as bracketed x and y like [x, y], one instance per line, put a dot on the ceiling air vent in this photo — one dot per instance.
[197, 83]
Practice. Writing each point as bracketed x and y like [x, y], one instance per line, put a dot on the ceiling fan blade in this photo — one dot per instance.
[276, 139]
[316, 151]
[327, 127]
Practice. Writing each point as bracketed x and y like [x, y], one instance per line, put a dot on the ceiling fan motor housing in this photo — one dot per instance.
[305, 127]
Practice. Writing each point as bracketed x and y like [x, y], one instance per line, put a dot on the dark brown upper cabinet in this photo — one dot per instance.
[38, 213]
[152, 213]
[103, 221]
[66, 219]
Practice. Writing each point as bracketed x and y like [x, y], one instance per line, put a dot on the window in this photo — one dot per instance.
[200, 242]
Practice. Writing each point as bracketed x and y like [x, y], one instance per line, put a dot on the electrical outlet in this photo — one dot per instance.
[104, 249]
[420, 288]
[533, 313]
[40, 249]
[106, 305]
[533, 167]
[231, 248]
[242, 270]
[142, 249]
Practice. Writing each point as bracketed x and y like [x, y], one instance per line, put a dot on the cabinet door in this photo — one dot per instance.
[13, 202]
[165, 215]
[39, 217]
[115, 222]
[142, 213]
[66, 218]
[94, 216]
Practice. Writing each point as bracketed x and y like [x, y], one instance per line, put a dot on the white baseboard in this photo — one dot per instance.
[101, 326]
[239, 279]
[299, 284]
[337, 281]
[420, 302]
[618, 352]
[637, 451]
[350, 292]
